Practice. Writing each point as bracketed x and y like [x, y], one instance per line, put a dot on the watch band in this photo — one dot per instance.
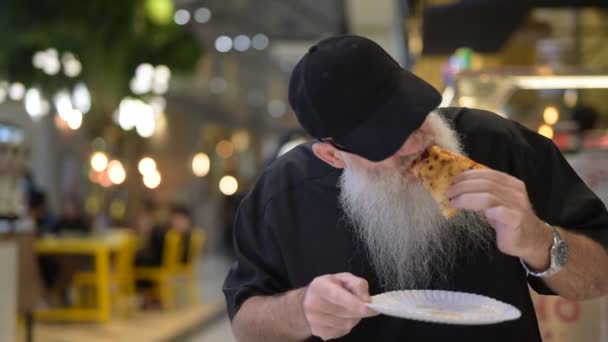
[554, 266]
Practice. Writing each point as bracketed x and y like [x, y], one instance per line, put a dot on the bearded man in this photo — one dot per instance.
[335, 221]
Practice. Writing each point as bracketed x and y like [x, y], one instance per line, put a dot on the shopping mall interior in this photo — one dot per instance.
[131, 130]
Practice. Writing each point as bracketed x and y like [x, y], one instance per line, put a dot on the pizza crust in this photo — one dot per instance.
[436, 169]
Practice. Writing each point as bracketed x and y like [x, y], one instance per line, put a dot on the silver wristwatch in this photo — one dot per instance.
[558, 253]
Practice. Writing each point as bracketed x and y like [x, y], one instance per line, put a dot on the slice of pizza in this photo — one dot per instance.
[436, 168]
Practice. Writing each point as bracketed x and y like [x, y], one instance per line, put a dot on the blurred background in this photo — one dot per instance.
[130, 130]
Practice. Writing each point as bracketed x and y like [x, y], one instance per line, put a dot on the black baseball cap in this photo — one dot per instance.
[351, 93]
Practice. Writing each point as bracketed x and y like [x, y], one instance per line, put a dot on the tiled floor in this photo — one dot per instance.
[166, 326]
[213, 271]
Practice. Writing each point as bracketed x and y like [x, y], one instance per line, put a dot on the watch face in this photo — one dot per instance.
[561, 253]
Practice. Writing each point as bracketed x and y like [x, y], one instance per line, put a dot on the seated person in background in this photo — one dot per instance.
[145, 222]
[146, 226]
[152, 253]
[39, 212]
[181, 220]
[73, 219]
[45, 224]
[151, 226]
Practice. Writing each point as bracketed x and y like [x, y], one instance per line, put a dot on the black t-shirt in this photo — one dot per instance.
[290, 229]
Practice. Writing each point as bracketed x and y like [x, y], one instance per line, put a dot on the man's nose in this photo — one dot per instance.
[414, 144]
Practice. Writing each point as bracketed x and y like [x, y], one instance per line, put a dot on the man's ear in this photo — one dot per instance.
[328, 154]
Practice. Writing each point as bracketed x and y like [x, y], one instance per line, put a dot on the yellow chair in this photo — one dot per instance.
[189, 268]
[121, 278]
[163, 277]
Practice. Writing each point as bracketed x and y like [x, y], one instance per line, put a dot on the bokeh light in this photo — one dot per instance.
[551, 115]
[201, 164]
[152, 180]
[181, 17]
[229, 185]
[16, 91]
[160, 11]
[146, 166]
[241, 140]
[118, 209]
[74, 120]
[202, 15]
[260, 41]
[223, 44]
[99, 161]
[546, 131]
[224, 149]
[116, 172]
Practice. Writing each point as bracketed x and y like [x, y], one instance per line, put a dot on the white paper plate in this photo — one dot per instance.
[444, 307]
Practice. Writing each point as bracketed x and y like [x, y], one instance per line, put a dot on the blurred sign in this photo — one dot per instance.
[592, 167]
[563, 320]
[460, 60]
[550, 51]
[597, 140]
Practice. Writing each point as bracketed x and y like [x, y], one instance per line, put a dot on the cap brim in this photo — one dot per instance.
[381, 136]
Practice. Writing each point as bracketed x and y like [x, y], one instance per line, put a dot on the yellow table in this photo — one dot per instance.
[100, 247]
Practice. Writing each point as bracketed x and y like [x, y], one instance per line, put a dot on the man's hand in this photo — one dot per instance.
[334, 304]
[504, 201]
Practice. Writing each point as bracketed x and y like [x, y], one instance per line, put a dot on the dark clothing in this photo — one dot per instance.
[79, 225]
[57, 270]
[45, 224]
[152, 253]
[186, 236]
[47, 263]
[48, 269]
[290, 229]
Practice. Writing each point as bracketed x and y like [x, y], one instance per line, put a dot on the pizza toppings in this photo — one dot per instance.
[436, 168]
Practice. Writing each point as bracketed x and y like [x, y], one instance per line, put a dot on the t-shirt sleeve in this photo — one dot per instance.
[258, 268]
[559, 196]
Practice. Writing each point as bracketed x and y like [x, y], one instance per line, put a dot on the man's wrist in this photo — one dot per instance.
[300, 323]
[538, 257]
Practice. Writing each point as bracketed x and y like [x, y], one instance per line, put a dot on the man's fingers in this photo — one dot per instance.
[371, 313]
[475, 201]
[332, 304]
[332, 290]
[357, 286]
[507, 195]
[489, 174]
[324, 306]
[328, 320]
[340, 296]
[473, 186]
[480, 173]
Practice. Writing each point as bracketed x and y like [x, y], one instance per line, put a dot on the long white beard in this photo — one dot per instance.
[409, 243]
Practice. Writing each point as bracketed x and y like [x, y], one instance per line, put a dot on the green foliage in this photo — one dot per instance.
[109, 37]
